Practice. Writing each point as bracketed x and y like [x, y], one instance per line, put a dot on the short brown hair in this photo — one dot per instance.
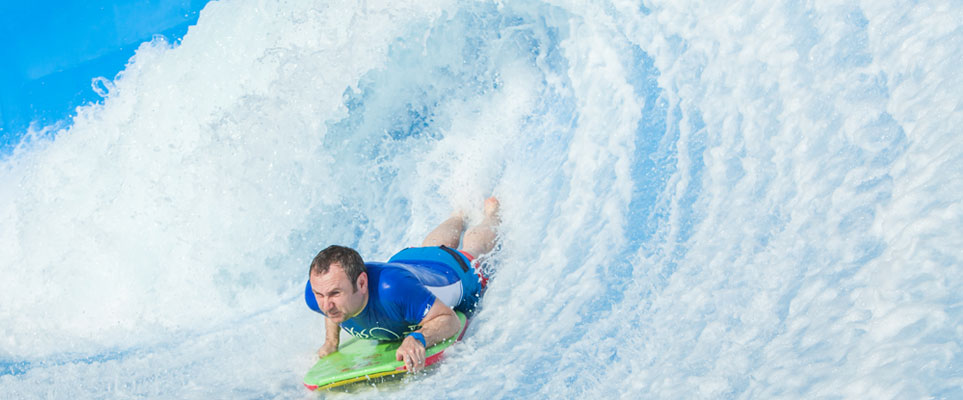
[350, 261]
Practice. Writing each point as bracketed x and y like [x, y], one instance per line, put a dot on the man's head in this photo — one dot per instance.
[348, 259]
[340, 282]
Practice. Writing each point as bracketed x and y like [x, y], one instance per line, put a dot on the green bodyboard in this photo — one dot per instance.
[360, 360]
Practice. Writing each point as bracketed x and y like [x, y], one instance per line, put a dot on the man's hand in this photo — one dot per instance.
[332, 338]
[439, 324]
[326, 349]
[412, 353]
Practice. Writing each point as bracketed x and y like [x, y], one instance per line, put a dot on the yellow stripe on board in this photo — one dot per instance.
[361, 378]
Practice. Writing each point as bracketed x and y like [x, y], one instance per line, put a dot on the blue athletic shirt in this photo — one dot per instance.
[399, 297]
[397, 302]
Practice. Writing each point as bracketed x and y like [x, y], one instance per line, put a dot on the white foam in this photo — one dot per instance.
[744, 200]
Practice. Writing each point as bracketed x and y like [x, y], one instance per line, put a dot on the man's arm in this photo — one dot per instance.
[439, 324]
[332, 337]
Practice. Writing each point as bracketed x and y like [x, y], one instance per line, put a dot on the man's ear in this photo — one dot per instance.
[363, 282]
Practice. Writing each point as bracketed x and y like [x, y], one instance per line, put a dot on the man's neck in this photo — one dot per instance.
[362, 308]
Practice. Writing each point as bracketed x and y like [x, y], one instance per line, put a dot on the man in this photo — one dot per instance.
[409, 298]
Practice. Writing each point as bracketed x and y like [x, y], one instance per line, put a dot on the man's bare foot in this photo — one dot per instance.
[492, 207]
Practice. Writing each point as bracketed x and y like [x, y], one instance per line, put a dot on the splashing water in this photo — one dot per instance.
[727, 200]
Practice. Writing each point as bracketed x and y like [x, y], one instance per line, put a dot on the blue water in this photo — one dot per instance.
[57, 54]
[732, 200]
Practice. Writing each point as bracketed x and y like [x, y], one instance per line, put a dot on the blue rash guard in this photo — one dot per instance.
[402, 291]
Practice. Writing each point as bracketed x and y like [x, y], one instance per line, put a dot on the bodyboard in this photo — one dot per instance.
[359, 360]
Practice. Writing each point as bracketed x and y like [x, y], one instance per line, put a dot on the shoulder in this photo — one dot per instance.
[388, 279]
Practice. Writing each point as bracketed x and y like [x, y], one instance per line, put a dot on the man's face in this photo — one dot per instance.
[336, 297]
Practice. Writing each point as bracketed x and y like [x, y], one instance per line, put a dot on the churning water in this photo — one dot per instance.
[738, 199]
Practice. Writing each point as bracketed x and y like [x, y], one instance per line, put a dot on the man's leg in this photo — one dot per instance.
[447, 233]
[480, 239]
